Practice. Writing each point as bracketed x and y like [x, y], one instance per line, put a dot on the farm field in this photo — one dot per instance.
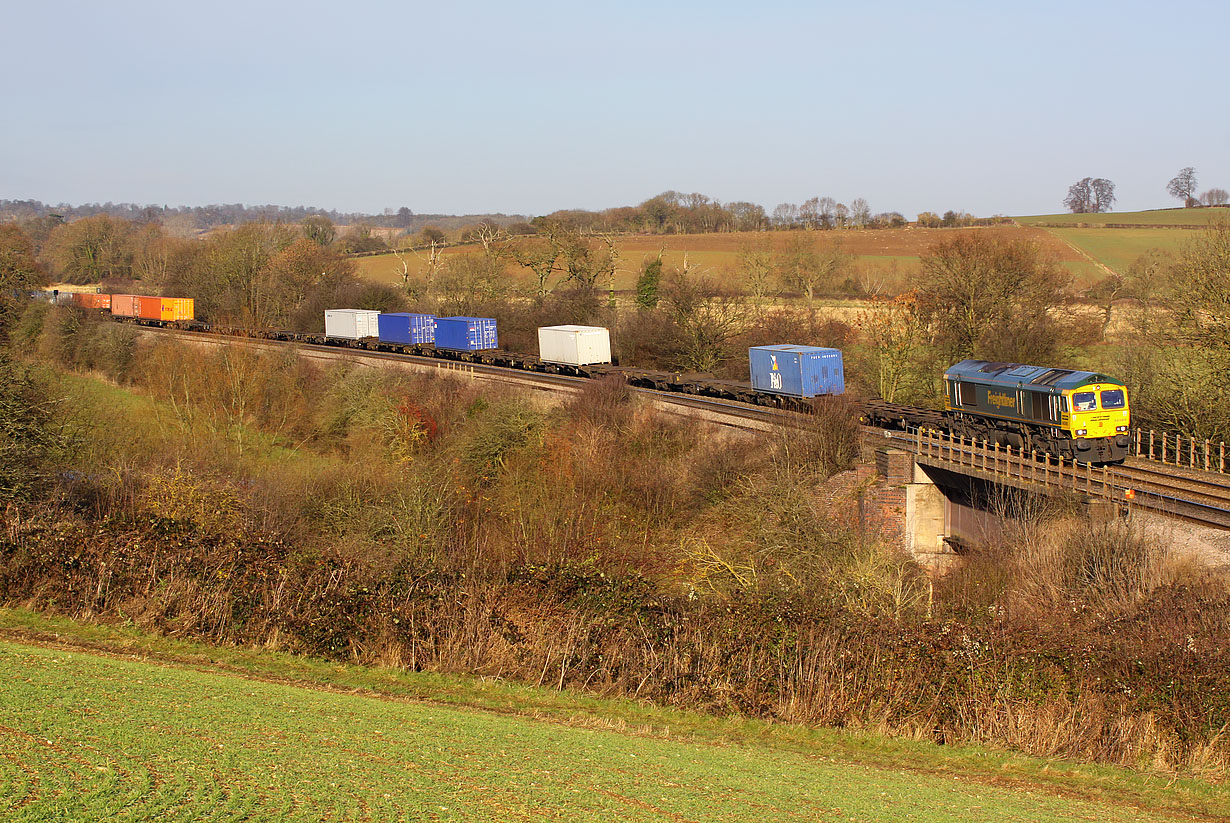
[1117, 249]
[102, 732]
[1152, 217]
[891, 254]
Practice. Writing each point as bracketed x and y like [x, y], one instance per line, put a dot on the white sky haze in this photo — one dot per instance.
[532, 107]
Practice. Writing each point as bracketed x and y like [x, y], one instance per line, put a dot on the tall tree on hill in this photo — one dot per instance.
[1091, 195]
[1183, 186]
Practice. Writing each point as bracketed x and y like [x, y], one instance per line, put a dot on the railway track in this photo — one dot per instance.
[1193, 496]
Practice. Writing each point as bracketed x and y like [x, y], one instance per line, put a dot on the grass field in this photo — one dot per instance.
[1117, 249]
[1153, 217]
[212, 734]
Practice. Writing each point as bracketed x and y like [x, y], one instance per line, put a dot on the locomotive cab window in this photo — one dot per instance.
[1085, 401]
[1113, 399]
[969, 395]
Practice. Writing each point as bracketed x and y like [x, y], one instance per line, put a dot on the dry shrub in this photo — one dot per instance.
[606, 401]
[827, 441]
[568, 565]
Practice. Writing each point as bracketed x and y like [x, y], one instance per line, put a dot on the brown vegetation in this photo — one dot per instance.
[411, 521]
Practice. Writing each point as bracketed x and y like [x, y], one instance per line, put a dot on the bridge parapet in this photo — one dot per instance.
[1028, 470]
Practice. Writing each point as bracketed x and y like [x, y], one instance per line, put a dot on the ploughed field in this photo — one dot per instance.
[892, 252]
[89, 736]
[891, 257]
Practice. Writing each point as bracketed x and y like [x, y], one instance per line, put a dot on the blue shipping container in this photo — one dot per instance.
[466, 333]
[407, 328]
[799, 371]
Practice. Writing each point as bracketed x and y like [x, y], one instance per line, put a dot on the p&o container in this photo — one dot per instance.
[352, 324]
[798, 371]
[168, 309]
[466, 333]
[574, 345]
[407, 328]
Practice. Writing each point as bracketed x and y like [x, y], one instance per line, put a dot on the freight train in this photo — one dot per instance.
[1080, 415]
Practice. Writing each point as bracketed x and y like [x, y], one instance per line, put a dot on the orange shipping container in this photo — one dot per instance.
[87, 300]
[124, 305]
[165, 308]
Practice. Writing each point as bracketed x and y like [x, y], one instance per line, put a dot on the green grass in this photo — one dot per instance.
[1118, 248]
[160, 728]
[1152, 217]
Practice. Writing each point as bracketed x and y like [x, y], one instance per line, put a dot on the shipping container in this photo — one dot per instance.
[798, 371]
[124, 305]
[167, 309]
[466, 333]
[574, 345]
[90, 300]
[352, 324]
[407, 328]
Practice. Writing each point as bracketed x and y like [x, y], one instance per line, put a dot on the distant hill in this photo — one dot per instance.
[1156, 218]
[204, 218]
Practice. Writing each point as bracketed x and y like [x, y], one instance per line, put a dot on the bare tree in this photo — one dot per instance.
[1183, 186]
[803, 268]
[785, 215]
[860, 212]
[809, 212]
[319, 229]
[826, 206]
[705, 318]
[756, 263]
[1215, 197]
[841, 215]
[895, 334]
[992, 298]
[1090, 195]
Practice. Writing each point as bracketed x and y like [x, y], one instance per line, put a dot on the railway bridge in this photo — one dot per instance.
[957, 490]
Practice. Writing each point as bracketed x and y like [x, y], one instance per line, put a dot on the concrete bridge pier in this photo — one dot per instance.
[944, 511]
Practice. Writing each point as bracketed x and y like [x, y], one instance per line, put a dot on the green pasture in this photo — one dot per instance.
[1117, 249]
[194, 733]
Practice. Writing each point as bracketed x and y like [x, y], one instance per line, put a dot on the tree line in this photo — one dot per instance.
[192, 219]
[975, 295]
[674, 212]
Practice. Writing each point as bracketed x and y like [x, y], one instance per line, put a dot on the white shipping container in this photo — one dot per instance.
[352, 324]
[574, 345]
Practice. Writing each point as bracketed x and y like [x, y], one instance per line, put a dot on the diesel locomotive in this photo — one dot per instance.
[1081, 415]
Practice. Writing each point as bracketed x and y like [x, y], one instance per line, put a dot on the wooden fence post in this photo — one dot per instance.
[1150, 444]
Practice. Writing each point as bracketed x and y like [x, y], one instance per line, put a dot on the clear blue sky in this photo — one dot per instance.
[530, 107]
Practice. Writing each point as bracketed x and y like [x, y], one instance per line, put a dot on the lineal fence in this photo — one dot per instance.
[1019, 464]
[1176, 450]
